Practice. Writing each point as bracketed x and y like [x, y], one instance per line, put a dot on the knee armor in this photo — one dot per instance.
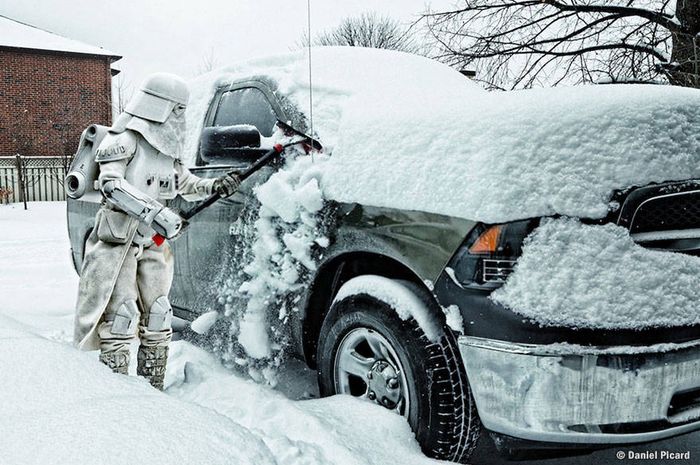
[160, 315]
[123, 323]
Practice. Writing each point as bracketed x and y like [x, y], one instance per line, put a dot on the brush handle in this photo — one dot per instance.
[259, 163]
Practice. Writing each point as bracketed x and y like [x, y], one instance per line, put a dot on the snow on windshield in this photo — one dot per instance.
[407, 132]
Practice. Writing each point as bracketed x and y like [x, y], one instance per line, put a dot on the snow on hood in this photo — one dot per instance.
[503, 156]
[408, 132]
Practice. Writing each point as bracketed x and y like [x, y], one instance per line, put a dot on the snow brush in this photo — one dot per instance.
[308, 143]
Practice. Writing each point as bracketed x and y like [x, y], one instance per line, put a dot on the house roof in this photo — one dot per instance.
[15, 34]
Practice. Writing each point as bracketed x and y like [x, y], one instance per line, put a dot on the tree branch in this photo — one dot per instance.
[625, 11]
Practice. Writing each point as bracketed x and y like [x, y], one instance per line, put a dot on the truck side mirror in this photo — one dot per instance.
[226, 142]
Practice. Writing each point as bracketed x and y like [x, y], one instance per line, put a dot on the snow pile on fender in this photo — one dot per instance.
[401, 299]
[584, 276]
[286, 230]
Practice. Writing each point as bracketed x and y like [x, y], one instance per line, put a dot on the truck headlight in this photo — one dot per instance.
[489, 253]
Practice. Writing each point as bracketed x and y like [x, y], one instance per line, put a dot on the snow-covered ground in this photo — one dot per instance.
[61, 406]
[38, 286]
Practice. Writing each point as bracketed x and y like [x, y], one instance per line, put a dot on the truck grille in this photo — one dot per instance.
[683, 402]
[496, 271]
[667, 213]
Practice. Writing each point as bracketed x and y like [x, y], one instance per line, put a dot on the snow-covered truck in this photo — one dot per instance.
[518, 262]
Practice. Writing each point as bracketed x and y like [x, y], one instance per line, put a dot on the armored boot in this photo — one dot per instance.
[117, 360]
[151, 364]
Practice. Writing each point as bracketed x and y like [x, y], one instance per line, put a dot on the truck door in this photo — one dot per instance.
[214, 235]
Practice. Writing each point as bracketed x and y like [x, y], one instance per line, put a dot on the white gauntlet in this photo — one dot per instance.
[136, 204]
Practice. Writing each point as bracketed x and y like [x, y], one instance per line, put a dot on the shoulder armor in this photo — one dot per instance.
[116, 147]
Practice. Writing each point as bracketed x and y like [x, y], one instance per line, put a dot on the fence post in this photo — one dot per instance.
[20, 181]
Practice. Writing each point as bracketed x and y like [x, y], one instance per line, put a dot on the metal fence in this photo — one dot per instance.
[30, 179]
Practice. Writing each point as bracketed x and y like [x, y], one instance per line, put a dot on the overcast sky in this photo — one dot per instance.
[174, 36]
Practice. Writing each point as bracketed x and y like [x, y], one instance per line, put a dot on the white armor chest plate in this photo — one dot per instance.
[152, 172]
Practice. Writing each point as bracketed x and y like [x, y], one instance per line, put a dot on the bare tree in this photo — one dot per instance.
[368, 30]
[524, 43]
[122, 92]
[209, 62]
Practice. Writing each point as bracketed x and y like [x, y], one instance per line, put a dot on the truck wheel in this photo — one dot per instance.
[367, 351]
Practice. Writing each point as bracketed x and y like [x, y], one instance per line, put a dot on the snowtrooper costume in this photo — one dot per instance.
[128, 269]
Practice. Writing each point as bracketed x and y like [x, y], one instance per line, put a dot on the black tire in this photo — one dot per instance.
[442, 412]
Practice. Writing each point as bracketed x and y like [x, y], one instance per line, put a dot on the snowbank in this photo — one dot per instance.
[583, 276]
[338, 430]
[61, 406]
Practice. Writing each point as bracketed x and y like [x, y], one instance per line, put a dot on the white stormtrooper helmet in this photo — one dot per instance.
[157, 112]
[159, 94]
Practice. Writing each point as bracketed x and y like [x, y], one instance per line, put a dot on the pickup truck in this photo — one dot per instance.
[450, 383]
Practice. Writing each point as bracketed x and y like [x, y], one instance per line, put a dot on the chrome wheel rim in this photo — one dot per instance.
[367, 366]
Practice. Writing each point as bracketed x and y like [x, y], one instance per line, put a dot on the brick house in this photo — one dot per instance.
[51, 88]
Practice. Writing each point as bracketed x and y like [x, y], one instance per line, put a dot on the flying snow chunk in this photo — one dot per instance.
[204, 322]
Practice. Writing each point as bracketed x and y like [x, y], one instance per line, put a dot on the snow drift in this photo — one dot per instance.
[584, 276]
[407, 132]
[307, 432]
[61, 406]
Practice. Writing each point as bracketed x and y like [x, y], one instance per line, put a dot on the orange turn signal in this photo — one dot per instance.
[487, 243]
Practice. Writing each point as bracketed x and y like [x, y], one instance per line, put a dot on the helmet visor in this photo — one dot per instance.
[150, 107]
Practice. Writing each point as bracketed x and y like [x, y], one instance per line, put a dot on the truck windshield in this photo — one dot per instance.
[246, 106]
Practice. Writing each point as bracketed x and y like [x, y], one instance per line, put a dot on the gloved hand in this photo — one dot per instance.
[227, 185]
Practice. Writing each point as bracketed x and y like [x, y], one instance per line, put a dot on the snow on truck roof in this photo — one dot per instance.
[408, 132]
[15, 34]
[339, 75]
